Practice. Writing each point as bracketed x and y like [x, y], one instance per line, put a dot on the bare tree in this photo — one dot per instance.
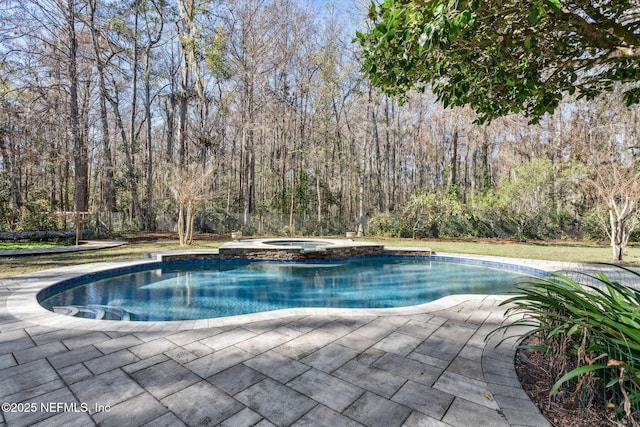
[618, 189]
[188, 185]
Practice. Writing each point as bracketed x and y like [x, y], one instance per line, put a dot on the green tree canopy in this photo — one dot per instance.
[507, 56]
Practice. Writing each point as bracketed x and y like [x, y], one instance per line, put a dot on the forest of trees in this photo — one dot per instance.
[254, 115]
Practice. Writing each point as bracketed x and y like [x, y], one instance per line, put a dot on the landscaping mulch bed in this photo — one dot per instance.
[560, 412]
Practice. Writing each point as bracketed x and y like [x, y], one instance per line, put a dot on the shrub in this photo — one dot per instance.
[6, 221]
[215, 220]
[425, 215]
[462, 225]
[385, 225]
[36, 216]
[488, 218]
[286, 231]
[312, 227]
[589, 334]
[559, 225]
[593, 226]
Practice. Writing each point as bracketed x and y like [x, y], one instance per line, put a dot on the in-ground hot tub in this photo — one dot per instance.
[302, 243]
[299, 249]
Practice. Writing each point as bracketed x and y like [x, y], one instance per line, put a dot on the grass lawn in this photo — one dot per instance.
[140, 245]
[10, 246]
[11, 266]
[586, 252]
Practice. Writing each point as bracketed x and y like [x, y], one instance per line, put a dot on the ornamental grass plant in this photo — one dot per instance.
[587, 329]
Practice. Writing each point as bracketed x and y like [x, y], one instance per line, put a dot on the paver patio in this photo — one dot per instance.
[429, 367]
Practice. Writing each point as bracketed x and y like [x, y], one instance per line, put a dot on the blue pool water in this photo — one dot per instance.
[208, 290]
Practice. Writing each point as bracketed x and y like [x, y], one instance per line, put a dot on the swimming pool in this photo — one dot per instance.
[202, 290]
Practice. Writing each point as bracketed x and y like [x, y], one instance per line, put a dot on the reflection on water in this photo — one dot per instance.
[216, 290]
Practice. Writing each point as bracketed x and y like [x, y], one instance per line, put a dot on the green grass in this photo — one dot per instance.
[12, 266]
[10, 246]
[139, 246]
[552, 251]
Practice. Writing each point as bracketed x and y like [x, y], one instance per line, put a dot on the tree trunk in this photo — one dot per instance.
[147, 107]
[186, 35]
[128, 163]
[190, 219]
[81, 169]
[246, 187]
[10, 164]
[292, 206]
[361, 200]
[180, 225]
[107, 162]
[616, 238]
[318, 193]
[186, 220]
[133, 138]
[169, 108]
[454, 161]
[183, 112]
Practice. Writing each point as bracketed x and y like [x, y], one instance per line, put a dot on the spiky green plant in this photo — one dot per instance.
[589, 333]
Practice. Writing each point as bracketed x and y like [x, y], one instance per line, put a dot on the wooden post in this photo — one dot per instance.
[78, 228]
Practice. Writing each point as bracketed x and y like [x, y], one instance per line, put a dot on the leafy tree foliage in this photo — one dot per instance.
[530, 200]
[538, 201]
[36, 215]
[425, 214]
[504, 57]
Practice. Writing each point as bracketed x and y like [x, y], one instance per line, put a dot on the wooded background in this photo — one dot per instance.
[254, 113]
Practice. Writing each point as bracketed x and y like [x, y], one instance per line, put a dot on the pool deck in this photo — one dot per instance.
[427, 365]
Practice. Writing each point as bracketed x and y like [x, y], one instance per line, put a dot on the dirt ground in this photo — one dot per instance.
[560, 412]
